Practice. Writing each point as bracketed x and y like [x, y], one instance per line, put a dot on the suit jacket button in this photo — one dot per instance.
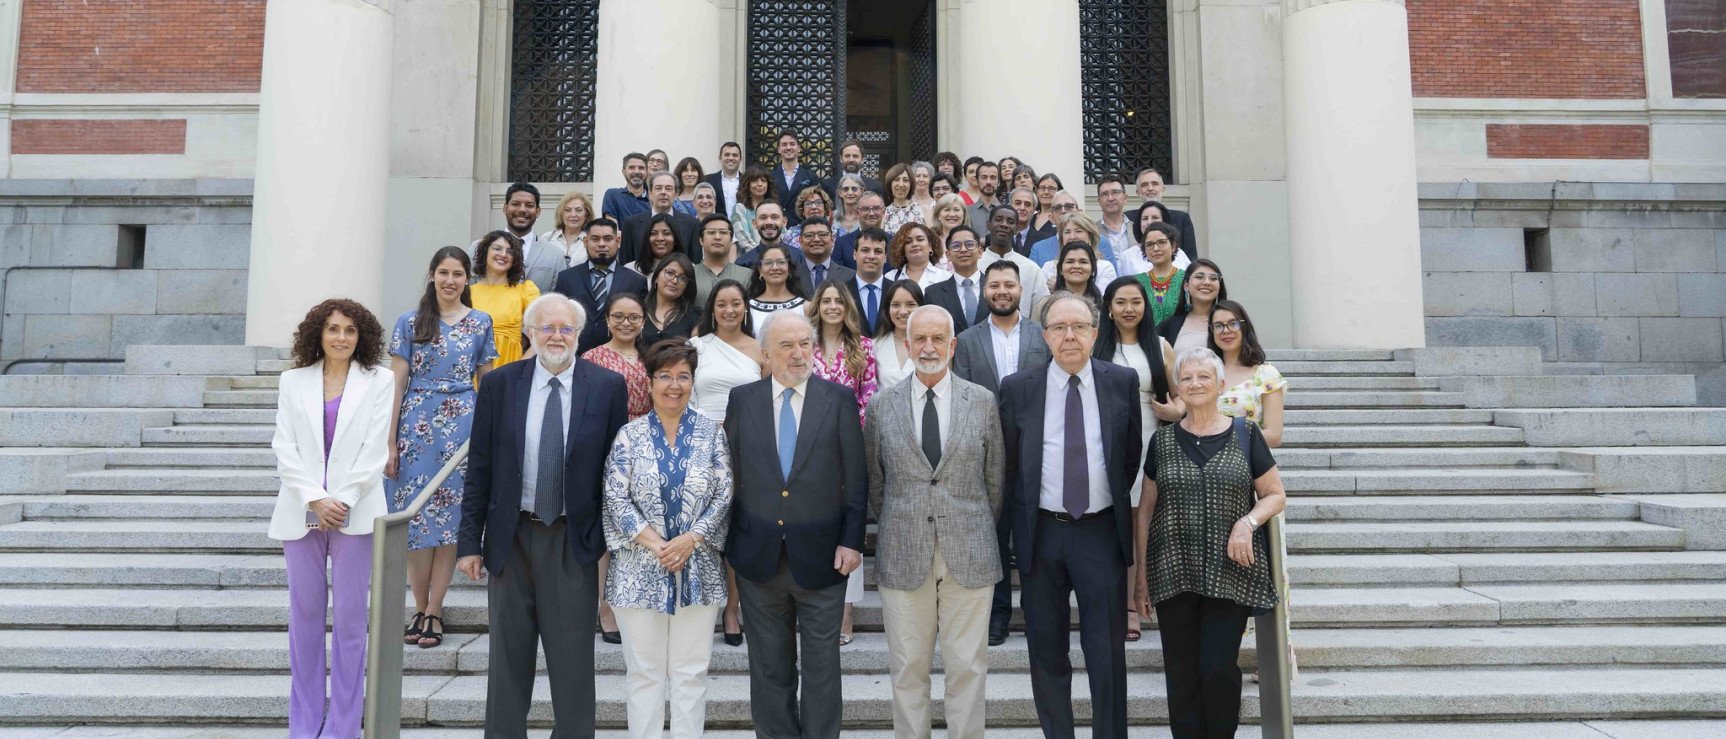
[782, 522]
[785, 493]
[934, 482]
[931, 519]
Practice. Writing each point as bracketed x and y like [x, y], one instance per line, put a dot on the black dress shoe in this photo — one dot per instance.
[997, 634]
[611, 637]
[736, 639]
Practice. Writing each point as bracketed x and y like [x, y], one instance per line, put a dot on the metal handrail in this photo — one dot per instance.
[1276, 710]
[389, 588]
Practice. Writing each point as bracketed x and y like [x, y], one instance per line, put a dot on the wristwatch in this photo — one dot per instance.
[1251, 524]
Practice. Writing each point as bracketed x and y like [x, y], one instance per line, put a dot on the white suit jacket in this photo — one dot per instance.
[357, 454]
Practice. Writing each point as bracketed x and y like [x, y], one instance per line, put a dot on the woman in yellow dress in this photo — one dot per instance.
[502, 291]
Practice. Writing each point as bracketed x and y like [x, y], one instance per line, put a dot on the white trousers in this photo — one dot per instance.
[913, 619]
[667, 653]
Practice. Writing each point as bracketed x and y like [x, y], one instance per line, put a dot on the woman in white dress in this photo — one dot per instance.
[729, 356]
[775, 284]
[892, 361]
[916, 250]
[1123, 338]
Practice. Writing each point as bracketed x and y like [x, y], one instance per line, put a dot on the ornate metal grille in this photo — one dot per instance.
[796, 78]
[923, 86]
[552, 71]
[1124, 62]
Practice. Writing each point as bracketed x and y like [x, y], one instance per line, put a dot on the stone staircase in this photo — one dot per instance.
[1472, 544]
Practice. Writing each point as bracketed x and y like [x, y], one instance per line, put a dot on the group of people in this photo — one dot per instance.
[684, 407]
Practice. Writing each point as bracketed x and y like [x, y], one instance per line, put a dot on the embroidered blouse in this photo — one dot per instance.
[676, 486]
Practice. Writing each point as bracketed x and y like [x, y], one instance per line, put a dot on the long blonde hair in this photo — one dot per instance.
[850, 329]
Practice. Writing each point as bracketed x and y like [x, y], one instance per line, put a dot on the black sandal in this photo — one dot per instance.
[412, 634]
[435, 635]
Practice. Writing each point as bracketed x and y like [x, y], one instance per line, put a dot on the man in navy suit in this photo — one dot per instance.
[592, 282]
[790, 176]
[1150, 187]
[962, 294]
[1072, 438]
[726, 180]
[797, 518]
[530, 516]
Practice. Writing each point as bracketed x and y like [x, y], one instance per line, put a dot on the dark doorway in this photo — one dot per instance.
[890, 81]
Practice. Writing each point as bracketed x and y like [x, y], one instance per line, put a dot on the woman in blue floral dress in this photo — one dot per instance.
[438, 353]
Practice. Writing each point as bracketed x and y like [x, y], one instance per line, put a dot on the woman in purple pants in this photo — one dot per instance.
[331, 443]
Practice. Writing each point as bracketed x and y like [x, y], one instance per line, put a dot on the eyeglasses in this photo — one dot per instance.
[871, 208]
[966, 245]
[547, 331]
[1048, 188]
[1064, 207]
[1069, 329]
[681, 378]
[716, 232]
[1205, 277]
[626, 320]
[673, 278]
[807, 235]
[1231, 326]
[1112, 194]
[1158, 242]
[769, 263]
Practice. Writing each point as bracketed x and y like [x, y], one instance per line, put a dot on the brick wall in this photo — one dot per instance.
[1545, 141]
[1526, 48]
[43, 136]
[94, 46]
[1696, 39]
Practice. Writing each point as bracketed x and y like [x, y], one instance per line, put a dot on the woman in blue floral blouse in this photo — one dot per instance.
[667, 505]
[438, 353]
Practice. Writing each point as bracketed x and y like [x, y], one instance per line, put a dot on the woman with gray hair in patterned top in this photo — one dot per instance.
[1210, 484]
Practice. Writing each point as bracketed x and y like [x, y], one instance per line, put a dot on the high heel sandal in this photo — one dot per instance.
[412, 634]
[735, 639]
[434, 635]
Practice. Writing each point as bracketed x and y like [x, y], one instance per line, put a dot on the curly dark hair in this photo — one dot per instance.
[517, 259]
[309, 337]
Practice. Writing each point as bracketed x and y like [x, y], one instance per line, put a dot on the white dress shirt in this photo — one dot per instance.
[729, 183]
[943, 404]
[1052, 497]
[1006, 344]
[801, 391]
[537, 395]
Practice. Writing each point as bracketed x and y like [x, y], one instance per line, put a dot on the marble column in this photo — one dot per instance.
[659, 85]
[1030, 104]
[322, 177]
[1354, 220]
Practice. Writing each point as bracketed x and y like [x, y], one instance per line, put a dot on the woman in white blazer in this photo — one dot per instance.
[331, 443]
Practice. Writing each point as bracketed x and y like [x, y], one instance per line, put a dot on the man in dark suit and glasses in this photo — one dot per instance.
[962, 294]
[797, 515]
[1072, 435]
[594, 280]
[530, 516]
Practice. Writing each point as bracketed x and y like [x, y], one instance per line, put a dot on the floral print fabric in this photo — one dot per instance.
[436, 419]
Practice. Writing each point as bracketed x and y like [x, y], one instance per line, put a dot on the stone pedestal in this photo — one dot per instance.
[322, 181]
[1354, 231]
[657, 86]
[1019, 92]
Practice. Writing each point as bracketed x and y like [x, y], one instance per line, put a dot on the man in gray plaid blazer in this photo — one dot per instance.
[932, 447]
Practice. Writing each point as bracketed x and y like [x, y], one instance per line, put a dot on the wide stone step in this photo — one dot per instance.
[1381, 695]
[147, 570]
[245, 382]
[207, 435]
[1318, 368]
[242, 416]
[1425, 508]
[1328, 355]
[1368, 481]
[132, 507]
[1463, 536]
[203, 536]
[159, 457]
[1368, 382]
[1455, 569]
[189, 480]
[1298, 417]
[1299, 398]
[261, 398]
[1317, 458]
[1381, 436]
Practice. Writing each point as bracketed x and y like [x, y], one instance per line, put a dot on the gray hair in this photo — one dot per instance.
[1061, 296]
[766, 328]
[927, 168]
[530, 317]
[663, 173]
[1026, 190]
[1200, 355]
[708, 186]
[930, 308]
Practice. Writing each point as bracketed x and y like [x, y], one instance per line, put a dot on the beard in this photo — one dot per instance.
[558, 357]
[601, 261]
[930, 366]
[770, 233]
[1009, 309]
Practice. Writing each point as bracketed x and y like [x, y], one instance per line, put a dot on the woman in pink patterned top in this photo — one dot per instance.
[625, 316]
[843, 355]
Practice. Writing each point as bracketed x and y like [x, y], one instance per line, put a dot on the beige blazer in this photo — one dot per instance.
[357, 455]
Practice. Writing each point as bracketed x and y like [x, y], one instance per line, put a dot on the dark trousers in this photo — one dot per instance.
[542, 595]
[1001, 611]
[780, 613]
[1201, 656]
[1084, 557]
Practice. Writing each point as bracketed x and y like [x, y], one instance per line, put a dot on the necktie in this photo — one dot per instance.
[968, 300]
[931, 430]
[787, 434]
[548, 486]
[601, 287]
[820, 272]
[1076, 472]
[869, 306]
[1019, 242]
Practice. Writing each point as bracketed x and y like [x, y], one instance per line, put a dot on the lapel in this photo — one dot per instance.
[817, 407]
[353, 393]
[1032, 432]
[583, 275]
[1109, 417]
[1025, 341]
[962, 410]
[577, 405]
[516, 419]
[986, 348]
[312, 405]
[901, 417]
[761, 398]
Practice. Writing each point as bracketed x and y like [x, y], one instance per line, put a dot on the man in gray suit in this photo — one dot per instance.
[797, 520]
[987, 353]
[520, 212]
[933, 449]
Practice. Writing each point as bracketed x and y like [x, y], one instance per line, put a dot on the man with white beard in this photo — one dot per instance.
[932, 446]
